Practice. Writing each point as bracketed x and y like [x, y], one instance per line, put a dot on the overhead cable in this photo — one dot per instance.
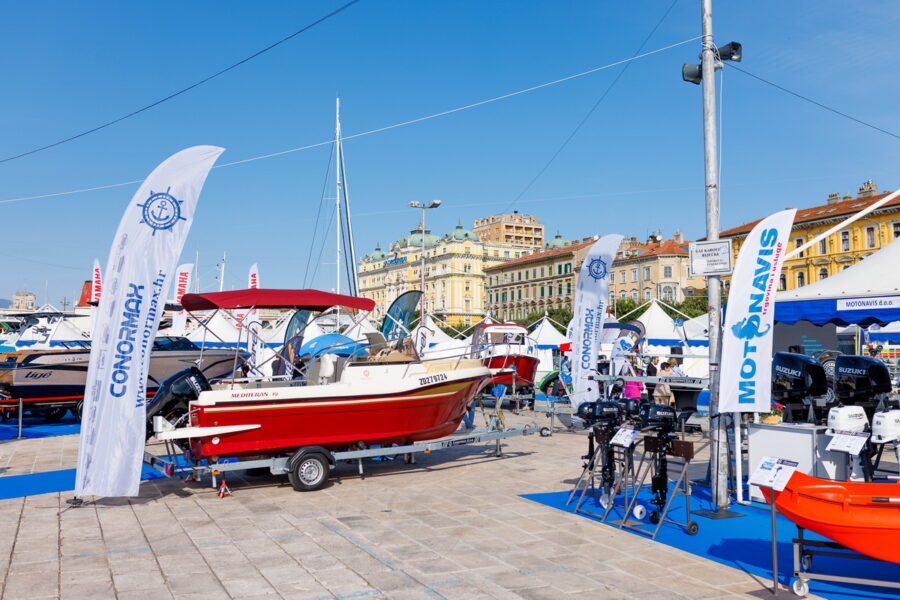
[599, 101]
[814, 102]
[388, 127]
[183, 90]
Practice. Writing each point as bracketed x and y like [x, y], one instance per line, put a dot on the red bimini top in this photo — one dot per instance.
[259, 298]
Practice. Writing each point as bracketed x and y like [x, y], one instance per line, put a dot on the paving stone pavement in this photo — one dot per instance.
[450, 527]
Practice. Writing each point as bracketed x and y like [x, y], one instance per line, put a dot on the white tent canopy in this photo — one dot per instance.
[546, 335]
[866, 293]
[659, 327]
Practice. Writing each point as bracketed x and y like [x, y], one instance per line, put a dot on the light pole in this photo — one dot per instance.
[424, 207]
[705, 73]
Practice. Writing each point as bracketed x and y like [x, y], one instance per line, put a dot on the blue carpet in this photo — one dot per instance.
[18, 486]
[36, 427]
[744, 543]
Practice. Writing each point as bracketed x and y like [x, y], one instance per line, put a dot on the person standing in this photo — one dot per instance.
[663, 394]
[652, 370]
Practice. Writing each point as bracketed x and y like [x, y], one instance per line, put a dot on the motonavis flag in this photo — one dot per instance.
[746, 371]
[591, 298]
[138, 272]
[182, 285]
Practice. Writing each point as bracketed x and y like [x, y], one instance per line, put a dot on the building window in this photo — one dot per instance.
[622, 295]
[550, 290]
[520, 295]
[845, 241]
[647, 294]
[569, 288]
[896, 230]
[542, 271]
[667, 272]
[559, 290]
[797, 243]
[633, 275]
[646, 272]
[519, 277]
[668, 293]
[568, 268]
[782, 282]
[559, 269]
[870, 237]
[801, 279]
[621, 276]
[542, 291]
[634, 296]
[823, 246]
[468, 286]
[823, 273]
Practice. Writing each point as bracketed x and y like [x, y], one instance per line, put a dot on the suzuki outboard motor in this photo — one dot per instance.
[658, 416]
[861, 381]
[799, 383]
[886, 428]
[172, 398]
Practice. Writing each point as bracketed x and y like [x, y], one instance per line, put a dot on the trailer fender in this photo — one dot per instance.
[300, 453]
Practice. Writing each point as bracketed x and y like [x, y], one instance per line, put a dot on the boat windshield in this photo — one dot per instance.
[170, 343]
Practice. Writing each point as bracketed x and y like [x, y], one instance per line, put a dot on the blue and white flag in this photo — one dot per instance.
[591, 302]
[138, 274]
[745, 383]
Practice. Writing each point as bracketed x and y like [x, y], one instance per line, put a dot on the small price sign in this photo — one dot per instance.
[773, 473]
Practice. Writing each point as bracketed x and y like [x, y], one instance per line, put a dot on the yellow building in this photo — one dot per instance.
[536, 281]
[454, 273]
[510, 228]
[841, 249]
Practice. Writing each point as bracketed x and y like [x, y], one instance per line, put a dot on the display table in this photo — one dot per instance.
[801, 442]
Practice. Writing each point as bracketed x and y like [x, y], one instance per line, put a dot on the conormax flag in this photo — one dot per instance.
[138, 274]
[591, 302]
[746, 377]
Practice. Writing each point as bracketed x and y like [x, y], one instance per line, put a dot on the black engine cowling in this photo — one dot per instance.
[797, 376]
[602, 413]
[860, 379]
[173, 396]
[660, 416]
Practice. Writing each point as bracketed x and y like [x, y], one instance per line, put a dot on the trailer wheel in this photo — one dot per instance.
[800, 587]
[692, 528]
[310, 472]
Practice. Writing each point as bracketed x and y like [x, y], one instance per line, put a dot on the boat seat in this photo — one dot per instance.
[376, 341]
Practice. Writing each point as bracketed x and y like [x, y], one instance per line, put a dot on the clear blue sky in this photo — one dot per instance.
[634, 167]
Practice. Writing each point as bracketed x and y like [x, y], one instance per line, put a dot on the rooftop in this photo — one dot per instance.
[843, 208]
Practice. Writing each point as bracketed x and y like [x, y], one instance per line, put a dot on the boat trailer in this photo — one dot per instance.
[308, 468]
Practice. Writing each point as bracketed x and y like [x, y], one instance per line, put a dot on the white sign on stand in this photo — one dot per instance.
[851, 442]
[710, 258]
[625, 437]
[773, 473]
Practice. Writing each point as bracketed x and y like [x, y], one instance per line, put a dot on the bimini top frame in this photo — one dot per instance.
[313, 300]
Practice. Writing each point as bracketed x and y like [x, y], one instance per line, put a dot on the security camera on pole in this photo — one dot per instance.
[705, 73]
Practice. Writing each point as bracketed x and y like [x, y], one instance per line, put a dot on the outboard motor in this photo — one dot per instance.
[661, 419]
[799, 383]
[172, 398]
[861, 381]
[853, 419]
[604, 417]
[886, 428]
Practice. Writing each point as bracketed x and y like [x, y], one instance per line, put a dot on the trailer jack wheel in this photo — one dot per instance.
[309, 472]
[800, 587]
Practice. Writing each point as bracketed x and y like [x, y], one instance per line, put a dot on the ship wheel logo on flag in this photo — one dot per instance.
[597, 269]
[161, 211]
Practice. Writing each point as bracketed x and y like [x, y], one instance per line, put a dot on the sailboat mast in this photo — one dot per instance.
[222, 273]
[337, 195]
[351, 248]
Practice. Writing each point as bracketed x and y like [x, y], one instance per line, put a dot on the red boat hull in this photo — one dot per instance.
[861, 516]
[335, 422]
[525, 368]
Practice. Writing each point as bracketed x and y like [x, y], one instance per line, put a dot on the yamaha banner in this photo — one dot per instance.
[254, 328]
[591, 300]
[96, 288]
[746, 370]
[182, 285]
[138, 274]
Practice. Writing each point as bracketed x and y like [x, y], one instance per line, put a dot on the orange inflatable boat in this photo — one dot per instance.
[861, 516]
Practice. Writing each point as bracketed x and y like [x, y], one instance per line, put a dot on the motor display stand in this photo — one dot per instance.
[617, 460]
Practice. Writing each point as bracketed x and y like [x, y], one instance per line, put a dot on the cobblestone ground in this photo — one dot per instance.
[450, 527]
